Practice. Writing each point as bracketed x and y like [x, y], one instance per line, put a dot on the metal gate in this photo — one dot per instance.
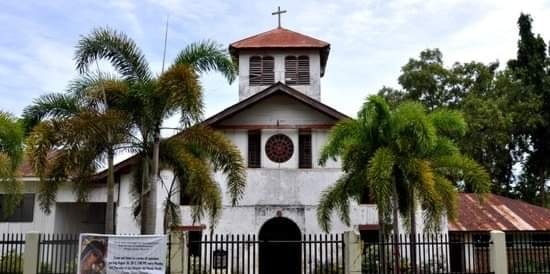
[223, 253]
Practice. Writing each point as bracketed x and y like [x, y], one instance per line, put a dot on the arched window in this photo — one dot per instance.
[261, 70]
[297, 70]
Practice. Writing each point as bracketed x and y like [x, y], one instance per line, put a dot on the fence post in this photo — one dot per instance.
[178, 252]
[30, 255]
[352, 253]
[497, 253]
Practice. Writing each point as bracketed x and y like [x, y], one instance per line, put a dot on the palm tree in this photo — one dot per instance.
[11, 154]
[405, 158]
[191, 155]
[176, 90]
[80, 125]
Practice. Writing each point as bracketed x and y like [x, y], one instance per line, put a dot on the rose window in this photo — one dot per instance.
[279, 148]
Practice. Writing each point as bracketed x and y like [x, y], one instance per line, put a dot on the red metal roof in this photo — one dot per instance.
[26, 169]
[498, 213]
[279, 38]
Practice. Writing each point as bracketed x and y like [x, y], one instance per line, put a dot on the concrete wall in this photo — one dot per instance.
[312, 90]
[65, 216]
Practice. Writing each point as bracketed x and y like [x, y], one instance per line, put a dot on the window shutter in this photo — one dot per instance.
[261, 70]
[297, 70]
[303, 70]
[254, 149]
[304, 147]
[255, 71]
[291, 70]
[268, 70]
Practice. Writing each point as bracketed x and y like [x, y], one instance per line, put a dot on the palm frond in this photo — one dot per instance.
[221, 153]
[117, 48]
[207, 56]
[334, 198]
[11, 140]
[449, 123]
[339, 135]
[180, 87]
[50, 105]
[380, 177]
[195, 172]
[414, 132]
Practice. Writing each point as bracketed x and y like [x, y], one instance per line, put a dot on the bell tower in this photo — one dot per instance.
[280, 55]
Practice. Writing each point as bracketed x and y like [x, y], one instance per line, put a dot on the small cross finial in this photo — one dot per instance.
[278, 13]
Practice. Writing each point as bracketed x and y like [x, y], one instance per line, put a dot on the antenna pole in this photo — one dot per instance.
[165, 42]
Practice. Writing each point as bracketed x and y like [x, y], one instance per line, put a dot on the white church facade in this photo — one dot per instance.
[280, 126]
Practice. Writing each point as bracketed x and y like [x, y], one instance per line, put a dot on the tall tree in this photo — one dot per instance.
[481, 93]
[176, 90]
[11, 154]
[80, 125]
[531, 69]
[403, 147]
[404, 155]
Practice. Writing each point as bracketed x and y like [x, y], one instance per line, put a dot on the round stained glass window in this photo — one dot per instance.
[279, 148]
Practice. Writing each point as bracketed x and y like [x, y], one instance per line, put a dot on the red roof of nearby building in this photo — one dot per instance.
[498, 213]
[281, 38]
[26, 169]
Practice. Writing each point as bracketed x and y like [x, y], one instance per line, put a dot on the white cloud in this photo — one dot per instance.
[370, 39]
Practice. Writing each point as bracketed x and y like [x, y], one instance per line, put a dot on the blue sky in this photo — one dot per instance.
[370, 40]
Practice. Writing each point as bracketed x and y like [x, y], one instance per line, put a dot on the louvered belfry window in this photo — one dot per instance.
[261, 70]
[304, 148]
[297, 70]
[254, 149]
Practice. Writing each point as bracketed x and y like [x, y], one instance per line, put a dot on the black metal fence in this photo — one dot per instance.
[427, 253]
[246, 254]
[57, 253]
[11, 253]
[528, 252]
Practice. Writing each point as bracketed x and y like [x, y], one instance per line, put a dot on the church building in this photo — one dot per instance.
[279, 124]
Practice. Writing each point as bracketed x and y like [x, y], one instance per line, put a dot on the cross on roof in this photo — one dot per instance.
[278, 13]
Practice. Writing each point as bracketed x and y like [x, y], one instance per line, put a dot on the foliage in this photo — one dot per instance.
[507, 110]
[531, 69]
[326, 267]
[404, 148]
[72, 134]
[12, 262]
[531, 266]
[153, 99]
[11, 155]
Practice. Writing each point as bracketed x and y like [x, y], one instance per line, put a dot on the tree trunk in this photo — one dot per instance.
[413, 230]
[150, 223]
[381, 240]
[144, 218]
[110, 208]
[395, 213]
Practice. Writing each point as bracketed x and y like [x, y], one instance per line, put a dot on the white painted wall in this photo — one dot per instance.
[313, 90]
[67, 219]
[278, 109]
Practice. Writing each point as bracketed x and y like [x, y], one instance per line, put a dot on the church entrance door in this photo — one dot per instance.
[280, 247]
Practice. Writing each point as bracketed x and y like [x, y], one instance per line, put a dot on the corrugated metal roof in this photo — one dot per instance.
[498, 213]
[279, 38]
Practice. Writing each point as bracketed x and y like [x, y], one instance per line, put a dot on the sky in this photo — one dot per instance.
[370, 40]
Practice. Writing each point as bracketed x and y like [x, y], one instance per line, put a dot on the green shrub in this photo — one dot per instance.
[12, 261]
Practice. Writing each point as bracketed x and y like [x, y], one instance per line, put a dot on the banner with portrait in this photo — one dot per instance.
[113, 254]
